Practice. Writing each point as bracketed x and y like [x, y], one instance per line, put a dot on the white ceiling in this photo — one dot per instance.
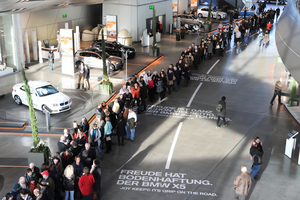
[18, 6]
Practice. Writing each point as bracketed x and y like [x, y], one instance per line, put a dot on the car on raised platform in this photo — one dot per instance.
[190, 19]
[203, 12]
[92, 59]
[115, 48]
[43, 95]
[116, 62]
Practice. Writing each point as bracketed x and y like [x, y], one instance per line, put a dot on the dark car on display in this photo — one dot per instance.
[115, 48]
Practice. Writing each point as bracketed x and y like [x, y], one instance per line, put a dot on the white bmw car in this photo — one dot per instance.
[43, 94]
[203, 12]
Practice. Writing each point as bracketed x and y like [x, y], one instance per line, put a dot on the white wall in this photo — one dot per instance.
[132, 14]
[126, 16]
[161, 8]
[45, 22]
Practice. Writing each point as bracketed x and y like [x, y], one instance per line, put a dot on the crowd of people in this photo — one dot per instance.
[75, 168]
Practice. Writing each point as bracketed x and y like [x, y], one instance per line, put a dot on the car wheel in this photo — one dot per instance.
[218, 17]
[18, 100]
[200, 15]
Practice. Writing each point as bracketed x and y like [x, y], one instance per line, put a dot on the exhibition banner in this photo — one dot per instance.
[174, 8]
[194, 3]
[67, 51]
[111, 25]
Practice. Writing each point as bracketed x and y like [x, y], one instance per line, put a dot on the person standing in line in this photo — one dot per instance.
[221, 108]
[121, 129]
[95, 135]
[86, 77]
[246, 36]
[107, 134]
[256, 159]
[86, 183]
[97, 174]
[277, 91]
[69, 182]
[51, 59]
[131, 123]
[242, 184]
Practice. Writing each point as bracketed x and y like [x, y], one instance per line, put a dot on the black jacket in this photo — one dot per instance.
[87, 73]
[256, 155]
[69, 183]
[61, 146]
[97, 176]
[121, 127]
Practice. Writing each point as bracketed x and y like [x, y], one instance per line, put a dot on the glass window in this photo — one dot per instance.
[46, 90]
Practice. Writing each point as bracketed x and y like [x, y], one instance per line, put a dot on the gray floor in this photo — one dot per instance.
[205, 160]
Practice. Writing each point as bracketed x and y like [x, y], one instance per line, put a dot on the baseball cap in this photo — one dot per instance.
[45, 173]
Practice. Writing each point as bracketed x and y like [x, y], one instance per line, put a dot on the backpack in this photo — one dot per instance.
[219, 108]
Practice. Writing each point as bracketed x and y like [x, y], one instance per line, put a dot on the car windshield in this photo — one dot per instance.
[46, 90]
[118, 44]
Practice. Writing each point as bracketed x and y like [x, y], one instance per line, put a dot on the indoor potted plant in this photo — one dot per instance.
[207, 25]
[154, 49]
[106, 84]
[39, 152]
[293, 101]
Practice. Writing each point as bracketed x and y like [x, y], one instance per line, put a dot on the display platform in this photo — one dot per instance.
[8, 70]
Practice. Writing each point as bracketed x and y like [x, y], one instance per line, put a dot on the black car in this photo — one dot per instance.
[114, 48]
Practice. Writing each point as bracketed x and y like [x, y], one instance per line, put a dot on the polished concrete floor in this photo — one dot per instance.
[178, 153]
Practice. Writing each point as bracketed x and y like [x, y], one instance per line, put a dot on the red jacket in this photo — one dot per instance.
[135, 92]
[150, 84]
[86, 184]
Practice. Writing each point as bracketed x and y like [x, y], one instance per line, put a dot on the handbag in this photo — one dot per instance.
[108, 138]
[174, 78]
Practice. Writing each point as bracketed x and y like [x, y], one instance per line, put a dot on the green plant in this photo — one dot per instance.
[209, 13]
[35, 135]
[293, 92]
[42, 148]
[154, 31]
[109, 84]
[38, 146]
[105, 77]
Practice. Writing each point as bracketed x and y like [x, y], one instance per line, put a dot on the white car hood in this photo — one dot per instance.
[222, 13]
[56, 98]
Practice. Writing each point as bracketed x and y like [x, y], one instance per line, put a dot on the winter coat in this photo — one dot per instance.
[85, 184]
[69, 183]
[78, 170]
[135, 92]
[256, 155]
[209, 48]
[242, 183]
[87, 73]
[223, 111]
[97, 174]
[159, 86]
[121, 127]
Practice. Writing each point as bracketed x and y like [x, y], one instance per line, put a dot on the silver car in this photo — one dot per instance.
[190, 19]
[93, 58]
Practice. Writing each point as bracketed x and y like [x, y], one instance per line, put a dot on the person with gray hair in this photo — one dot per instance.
[277, 91]
[242, 184]
[61, 145]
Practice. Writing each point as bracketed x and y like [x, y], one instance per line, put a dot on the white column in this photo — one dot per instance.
[40, 52]
[19, 49]
[34, 45]
[26, 46]
[66, 25]
[78, 37]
